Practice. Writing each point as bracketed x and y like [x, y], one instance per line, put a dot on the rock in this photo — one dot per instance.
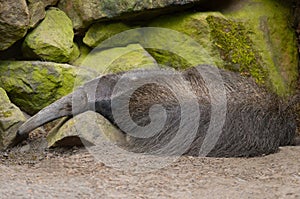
[86, 128]
[32, 85]
[37, 10]
[269, 28]
[84, 12]
[14, 21]
[197, 28]
[202, 27]
[251, 38]
[119, 59]
[37, 13]
[100, 32]
[11, 118]
[52, 39]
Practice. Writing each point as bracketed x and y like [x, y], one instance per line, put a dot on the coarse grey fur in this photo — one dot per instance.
[256, 121]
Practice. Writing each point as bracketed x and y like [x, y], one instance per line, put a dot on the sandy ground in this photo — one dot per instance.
[73, 173]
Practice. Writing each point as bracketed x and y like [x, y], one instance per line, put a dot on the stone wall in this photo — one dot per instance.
[50, 47]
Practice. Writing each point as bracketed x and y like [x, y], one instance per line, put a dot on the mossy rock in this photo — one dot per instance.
[195, 26]
[37, 10]
[14, 22]
[88, 128]
[100, 31]
[226, 42]
[11, 118]
[85, 12]
[236, 48]
[268, 24]
[34, 85]
[119, 59]
[251, 37]
[52, 39]
[37, 13]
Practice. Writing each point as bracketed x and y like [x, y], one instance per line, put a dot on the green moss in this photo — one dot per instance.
[195, 26]
[135, 59]
[45, 83]
[5, 114]
[236, 48]
[34, 85]
[119, 59]
[166, 58]
[68, 76]
[3, 97]
[54, 82]
[274, 37]
[100, 32]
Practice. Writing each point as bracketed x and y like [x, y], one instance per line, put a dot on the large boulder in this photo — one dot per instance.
[250, 37]
[87, 128]
[34, 85]
[268, 24]
[11, 117]
[84, 12]
[52, 39]
[213, 32]
[14, 22]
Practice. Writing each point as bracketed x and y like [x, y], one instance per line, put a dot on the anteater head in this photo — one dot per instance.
[93, 95]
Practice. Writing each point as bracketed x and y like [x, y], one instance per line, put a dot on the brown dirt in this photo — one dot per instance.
[30, 171]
